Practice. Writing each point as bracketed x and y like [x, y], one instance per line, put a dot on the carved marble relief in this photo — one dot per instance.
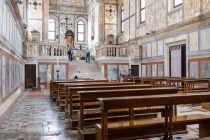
[110, 30]
[150, 19]
[175, 17]
[123, 68]
[191, 8]
[149, 71]
[132, 27]
[154, 49]
[112, 73]
[70, 2]
[31, 49]
[176, 38]
[132, 7]
[34, 25]
[206, 6]
[193, 41]
[3, 76]
[154, 69]
[160, 14]
[160, 70]
[205, 69]
[66, 23]
[143, 70]
[194, 69]
[160, 48]
[110, 14]
[35, 13]
[62, 72]
[126, 8]
[149, 50]
[204, 39]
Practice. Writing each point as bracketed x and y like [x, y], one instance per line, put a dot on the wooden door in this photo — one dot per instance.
[134, 70]
[30, 76]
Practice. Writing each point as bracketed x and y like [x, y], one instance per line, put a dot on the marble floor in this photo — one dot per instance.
[36, 117]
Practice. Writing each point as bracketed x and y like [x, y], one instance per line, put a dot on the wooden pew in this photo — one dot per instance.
[139, 128]
[72, 106]
[91, 96]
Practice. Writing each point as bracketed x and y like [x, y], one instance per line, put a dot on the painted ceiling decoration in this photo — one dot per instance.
[34, 3]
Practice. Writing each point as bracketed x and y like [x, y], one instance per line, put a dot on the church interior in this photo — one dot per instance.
[104, 69]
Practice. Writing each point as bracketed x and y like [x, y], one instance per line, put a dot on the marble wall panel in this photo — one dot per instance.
[149, 50]
[141, 31]
[160, 48]
[126, 31]
[160, 14]
[123, 68]
[112, 73]
[70, 2]
[144, 50]
[154, 49]
[191, 8]
[205, 69]
[206, 6]
[150, 19]
[132, 5]
[3, 76]
[102, 70]
[193, 41]
[62, 72]
[160, 70]
[34, 25]
[149, 2]
[35, 13]
[126, 8]
[7, 80]
[154, 69]
[42, 72]
[194, 69]
[204, 39]
[110, 13]
[175, 38]
[175, 17]
[149, 71]
[132, 27]
[144, 69]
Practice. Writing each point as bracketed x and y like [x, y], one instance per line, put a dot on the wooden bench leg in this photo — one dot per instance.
[204, 130]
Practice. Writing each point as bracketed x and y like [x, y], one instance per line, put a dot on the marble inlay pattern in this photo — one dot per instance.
[0, 72]
[132, 5]
[194, 69]
[62, 71]
[149, 50]
[154, 69]
[206, 6]
[7, 80]
[204, 39]
[149, 71]
[193, 41]
[160, 70]
[160, 47]
[110, 13]
[161, 14]
[192, 7]
[175, 17]
[205, 69]
[112, 72]
[154, 49]
[42, 72]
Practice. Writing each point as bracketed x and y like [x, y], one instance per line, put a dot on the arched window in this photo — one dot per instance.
[80, 31]
[122, 19]
[51, 29]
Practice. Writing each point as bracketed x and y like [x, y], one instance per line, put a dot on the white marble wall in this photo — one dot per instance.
[62, 71]
[194, 69]
[112, 72]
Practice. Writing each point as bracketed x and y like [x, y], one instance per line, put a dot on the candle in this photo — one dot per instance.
[57, 64]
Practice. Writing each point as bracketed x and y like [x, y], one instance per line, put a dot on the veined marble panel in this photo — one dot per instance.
[148, 2]
[149, 71]
[35, 13]
[110, 13]
[132, 27]
[194, 69]
[112, 72]
[160, 14]
[150, 19]
[3, 76]
[160, 48]
[175, 17]
[144, 69]
[205, 69]
[149, 50]
[0, 73]
[102, 70]
[62, 72]
[126, 31]
[132, 7]
[42, 72]
[160, 70]
[34, 25]
[12, 74]
[176, 38]
[194, 41]
[141, 31]
[7, 80]
[191, 8]
[154, 49]
[126, 8]
[205, 41]
[206, 6]
[154, 69]
[69, 2]
[123, 68]
[110, 29]
[144, 51]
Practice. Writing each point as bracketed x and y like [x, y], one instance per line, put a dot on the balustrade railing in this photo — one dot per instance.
[48, 49]
[112, 51]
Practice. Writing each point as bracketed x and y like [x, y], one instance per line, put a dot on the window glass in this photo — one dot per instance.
[80, 31]
[177, 2]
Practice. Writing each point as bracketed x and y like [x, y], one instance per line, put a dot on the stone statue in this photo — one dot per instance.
[48, 74]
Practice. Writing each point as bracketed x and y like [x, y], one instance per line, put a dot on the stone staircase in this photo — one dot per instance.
[88, 70]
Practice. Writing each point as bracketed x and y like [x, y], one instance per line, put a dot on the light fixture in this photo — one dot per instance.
[35, 3]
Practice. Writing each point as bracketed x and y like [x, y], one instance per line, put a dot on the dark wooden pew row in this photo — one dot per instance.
[116, 115]
[73, 104]
[139, 128]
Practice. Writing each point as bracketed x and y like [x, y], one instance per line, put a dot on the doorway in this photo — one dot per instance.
[135, 70]
[177, 61]
[30, 76]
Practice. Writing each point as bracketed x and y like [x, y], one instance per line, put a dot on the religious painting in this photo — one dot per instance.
[112, 73]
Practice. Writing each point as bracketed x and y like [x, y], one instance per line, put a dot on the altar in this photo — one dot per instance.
[78, 54]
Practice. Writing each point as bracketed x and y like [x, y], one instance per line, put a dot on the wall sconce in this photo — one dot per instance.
[35, 3]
